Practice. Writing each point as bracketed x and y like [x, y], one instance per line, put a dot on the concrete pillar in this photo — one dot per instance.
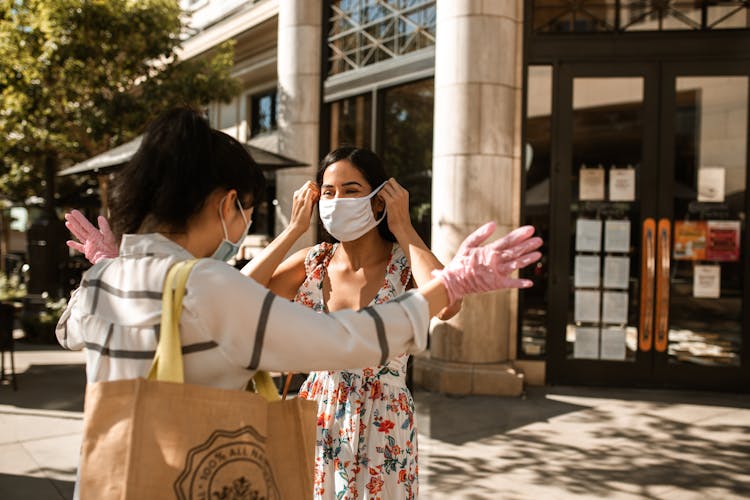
[298, 63]
[475, 178]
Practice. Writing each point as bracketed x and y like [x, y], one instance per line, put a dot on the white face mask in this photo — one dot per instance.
[227, 249]
[347, 219]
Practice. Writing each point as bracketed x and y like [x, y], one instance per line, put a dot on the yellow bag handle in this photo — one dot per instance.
[167, 365]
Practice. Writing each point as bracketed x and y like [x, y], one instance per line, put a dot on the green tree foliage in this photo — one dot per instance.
[78, 77]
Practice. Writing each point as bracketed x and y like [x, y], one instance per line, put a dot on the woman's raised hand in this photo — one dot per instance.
[95, 243]
[396, 200]
[486, 268]
[303, 203]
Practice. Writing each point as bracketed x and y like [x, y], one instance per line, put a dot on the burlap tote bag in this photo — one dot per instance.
[161, 438]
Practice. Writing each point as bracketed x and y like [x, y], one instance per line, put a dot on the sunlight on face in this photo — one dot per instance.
[343, 180]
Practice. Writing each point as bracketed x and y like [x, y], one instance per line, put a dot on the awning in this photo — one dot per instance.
[122, 154]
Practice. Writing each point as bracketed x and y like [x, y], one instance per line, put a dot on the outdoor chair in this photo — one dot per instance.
[7, 315]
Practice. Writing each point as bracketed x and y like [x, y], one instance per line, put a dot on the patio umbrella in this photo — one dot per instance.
[116, 157]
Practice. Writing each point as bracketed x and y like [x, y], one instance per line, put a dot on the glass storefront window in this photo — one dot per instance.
[565, 16]
[407, 146]
[705, 317]
[263, 113]
[403, 138]
[538, 135]
[580, 16]
[351, 122]
[364, 32]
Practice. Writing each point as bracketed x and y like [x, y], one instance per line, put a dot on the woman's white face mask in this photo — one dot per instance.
[347, 219]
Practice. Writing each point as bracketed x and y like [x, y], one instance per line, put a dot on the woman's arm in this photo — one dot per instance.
[257, 331]
[264, 265]
[421, 259]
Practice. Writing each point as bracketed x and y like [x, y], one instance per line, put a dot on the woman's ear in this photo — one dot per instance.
[378, 205]
[228, 204]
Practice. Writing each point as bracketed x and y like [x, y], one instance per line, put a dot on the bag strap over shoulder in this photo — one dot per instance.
[167, 365]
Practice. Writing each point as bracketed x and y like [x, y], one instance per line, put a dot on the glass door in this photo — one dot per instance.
[701, 337]
[604, 182]
[648, 271]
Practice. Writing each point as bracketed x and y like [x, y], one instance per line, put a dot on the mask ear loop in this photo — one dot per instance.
[385, 209]
[221, 218]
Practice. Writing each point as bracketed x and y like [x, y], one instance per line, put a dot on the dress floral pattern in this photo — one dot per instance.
[366, 435]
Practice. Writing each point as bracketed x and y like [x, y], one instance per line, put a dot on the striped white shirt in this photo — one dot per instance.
[230, 325]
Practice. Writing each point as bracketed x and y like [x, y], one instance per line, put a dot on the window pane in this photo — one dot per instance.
[607, 134]
[407, 146]
[351, 122]
[364, 32]
[263, 118]
[729, 14]
[559, 16]
[536, 206]
[710, 141]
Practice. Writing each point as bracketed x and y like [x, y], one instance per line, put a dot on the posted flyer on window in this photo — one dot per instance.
[711, 183]
[587, 271]
[591, 184]
[622, 184]
[617, 236]
[707, 282]
[723, 241]
[690, 240]
[587, 343]
[588, 235]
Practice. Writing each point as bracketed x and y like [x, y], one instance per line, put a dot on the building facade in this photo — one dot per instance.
[619, 128]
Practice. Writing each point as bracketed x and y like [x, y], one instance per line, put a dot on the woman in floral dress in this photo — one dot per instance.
[366, 434]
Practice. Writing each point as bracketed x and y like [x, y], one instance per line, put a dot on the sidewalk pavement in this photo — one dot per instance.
[556, 442]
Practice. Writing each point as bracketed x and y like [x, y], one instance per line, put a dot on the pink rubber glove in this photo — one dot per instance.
[477, 268]
[95, 244]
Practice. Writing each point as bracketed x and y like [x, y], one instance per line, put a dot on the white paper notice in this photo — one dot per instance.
[591, 184]
[622, 184]
[587, 271]
[711, 184]
[615, 307]
[617, 236]
[586, 306]
[613, 344]
[588, 235]
[587, 343]
[707, 282]
[616, 272]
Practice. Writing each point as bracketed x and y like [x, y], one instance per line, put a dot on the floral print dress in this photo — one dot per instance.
[366, 436]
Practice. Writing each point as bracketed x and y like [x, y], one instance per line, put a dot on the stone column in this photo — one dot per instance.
[476, 178]
[299, 62]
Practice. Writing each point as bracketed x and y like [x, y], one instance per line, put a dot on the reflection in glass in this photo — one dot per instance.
[407, 146]
[575, 16]
[560, 16]
[351, 122]
[607, 134]
[533, 302]
[710, 136]
[364, 32]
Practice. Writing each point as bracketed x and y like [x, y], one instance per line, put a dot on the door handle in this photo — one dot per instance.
[662, 285]
[648, 272]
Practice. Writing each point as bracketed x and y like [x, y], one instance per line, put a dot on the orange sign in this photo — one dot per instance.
[690, 240]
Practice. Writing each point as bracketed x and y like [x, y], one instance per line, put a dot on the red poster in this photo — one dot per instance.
[723, 241]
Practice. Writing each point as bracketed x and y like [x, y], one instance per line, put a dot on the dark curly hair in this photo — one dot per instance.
[371, 167]
[180, 162]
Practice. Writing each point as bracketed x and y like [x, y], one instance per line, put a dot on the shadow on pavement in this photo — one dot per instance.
[459, 419]
[48, 387]
[25, 487]
[635, 447]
